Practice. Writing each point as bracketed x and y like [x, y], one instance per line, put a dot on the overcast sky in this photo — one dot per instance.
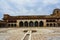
[28, 7]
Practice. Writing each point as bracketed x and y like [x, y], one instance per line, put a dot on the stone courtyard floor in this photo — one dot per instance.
[30, 33]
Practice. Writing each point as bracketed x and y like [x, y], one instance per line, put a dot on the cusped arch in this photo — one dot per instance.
[15, 25]
[41, 23]
[51, 24]
[26, 23]
[11, 25]
[21, 23]
[31, 24]
[47, 25]
[36, 23]
[54, 24]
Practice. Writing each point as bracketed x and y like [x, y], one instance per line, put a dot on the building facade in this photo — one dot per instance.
[52, 20]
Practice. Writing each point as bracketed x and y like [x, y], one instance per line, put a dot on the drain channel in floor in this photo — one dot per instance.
[26, 37]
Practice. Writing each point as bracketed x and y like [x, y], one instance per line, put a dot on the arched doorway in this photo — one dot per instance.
[2, 25]
[36, 24]
[9, 25]
[41, 24]
[47, 25]
[54, 24]
[31, 24]
[50, 25]
[58, 24]
[26, 24]
[12, 25]
[21, 24]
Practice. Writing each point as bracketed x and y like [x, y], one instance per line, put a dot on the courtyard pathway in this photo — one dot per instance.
[31, 34]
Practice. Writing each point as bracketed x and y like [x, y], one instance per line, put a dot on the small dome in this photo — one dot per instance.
[56, 11]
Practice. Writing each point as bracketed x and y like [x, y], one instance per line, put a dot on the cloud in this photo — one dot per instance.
[28, 7]
[50, 2]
